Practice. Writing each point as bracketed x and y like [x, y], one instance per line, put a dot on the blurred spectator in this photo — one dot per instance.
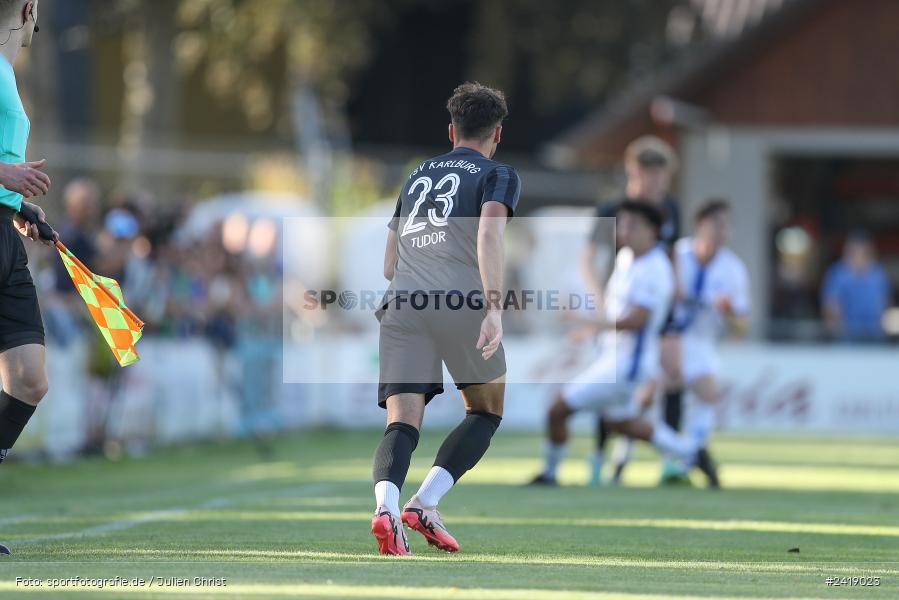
[64, 319]
[649, 164]
[185, 286]
[120, 228]
[856, 292]
[81, 198]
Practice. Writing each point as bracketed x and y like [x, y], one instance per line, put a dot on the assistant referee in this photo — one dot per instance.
[22, 368]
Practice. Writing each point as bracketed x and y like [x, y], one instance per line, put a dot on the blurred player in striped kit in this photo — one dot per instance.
[649, 164]
[712, 300]
[629, 326]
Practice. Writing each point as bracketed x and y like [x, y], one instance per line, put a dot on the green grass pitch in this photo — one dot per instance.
[295, 524]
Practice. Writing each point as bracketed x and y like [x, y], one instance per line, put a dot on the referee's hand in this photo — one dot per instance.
[25, 178]
[29, 230]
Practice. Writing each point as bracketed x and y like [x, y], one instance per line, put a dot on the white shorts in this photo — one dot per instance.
[699, 358]
[601, 389]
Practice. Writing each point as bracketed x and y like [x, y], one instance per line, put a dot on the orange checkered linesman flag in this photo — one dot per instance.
[120, 327]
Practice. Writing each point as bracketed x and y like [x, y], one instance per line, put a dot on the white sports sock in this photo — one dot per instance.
[436, 484]
[701, 422]
[667, 440]
[552, 456]
[597, 457]
[388, 496]
[624, 448]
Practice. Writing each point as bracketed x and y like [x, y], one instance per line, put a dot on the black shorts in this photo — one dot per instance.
[670, 327]
[20, 315]
[415, 342]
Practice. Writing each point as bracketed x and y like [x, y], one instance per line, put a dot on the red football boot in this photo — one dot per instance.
[427, 522]
[390, 534]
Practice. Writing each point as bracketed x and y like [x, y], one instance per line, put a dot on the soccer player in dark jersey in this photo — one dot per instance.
[445, 244]
[21, 329]
[649, 164]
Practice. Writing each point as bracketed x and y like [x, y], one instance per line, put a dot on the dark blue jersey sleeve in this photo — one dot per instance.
[502, 185]
[671, 229]
[394, 223]
[603, 211]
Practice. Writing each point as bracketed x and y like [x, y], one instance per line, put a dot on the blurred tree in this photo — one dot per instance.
[231, 42]
[150, 102]
[573, 52]
[557, 60]
[284, 64]
[41, 85]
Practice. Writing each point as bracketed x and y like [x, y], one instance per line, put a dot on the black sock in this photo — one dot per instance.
[394, 453]
[14, 415]
[602, 434]
[673, 408]
[467, 443]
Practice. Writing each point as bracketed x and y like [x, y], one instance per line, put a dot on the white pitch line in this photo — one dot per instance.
[153, 516]
[120, 525]
[20, 519]
[123, 524]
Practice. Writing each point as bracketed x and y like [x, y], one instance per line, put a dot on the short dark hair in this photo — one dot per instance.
[858, 236]
[712, 207]
[644, 209]
[476, 110]
[650, 152]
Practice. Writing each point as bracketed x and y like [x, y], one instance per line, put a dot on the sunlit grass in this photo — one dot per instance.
[282, 470]
[363, 591]
[645, 473]
[297, 526]
[224, 557]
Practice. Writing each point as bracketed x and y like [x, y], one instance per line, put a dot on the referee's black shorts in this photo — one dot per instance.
[20, 315]
[415, 343]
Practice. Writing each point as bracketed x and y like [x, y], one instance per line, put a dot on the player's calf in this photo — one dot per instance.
[659, 435]
[391, 464]
[24, 386]
[462, 449]
[14, 415]
[705, 464]
[702, 423]
[556, 446]
[597, 458]
[557, 421]
[23, 372]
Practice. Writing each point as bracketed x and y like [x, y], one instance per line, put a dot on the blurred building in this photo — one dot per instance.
[788, 108]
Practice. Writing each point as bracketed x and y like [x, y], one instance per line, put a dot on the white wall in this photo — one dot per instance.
[768, 387]
[177, 393]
